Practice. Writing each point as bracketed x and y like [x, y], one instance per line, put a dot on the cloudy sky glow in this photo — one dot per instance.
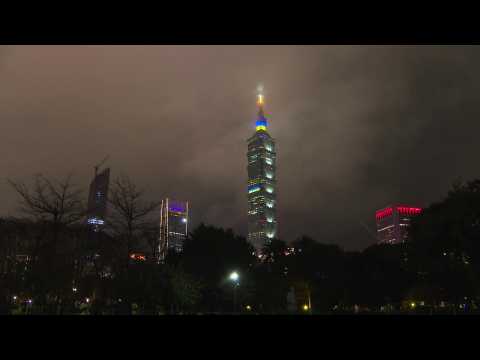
[357, 127]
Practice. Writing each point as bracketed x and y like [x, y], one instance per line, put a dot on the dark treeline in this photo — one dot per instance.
[51, 263]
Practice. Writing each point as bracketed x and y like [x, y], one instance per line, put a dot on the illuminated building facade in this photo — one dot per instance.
[393, 223]
[262, 204]
[173, 226]
[97, 200]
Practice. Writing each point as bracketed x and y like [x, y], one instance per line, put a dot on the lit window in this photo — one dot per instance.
[270, 235]
[268, 147]
[269, 190]
[96, 221]
[270, 204]
[269, 161]
[269, 175]
[269, 219]
[254, 189]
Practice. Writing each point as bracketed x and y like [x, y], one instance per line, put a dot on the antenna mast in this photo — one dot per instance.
[100, 164]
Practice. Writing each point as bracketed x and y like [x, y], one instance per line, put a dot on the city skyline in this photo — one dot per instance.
[350, 120]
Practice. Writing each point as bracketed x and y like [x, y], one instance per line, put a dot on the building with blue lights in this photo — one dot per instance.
[97, 200]
[261, 188]
[173, 227]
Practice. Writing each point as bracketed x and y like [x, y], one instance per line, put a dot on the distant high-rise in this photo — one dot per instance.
[173, 226]
[97, 200]
[393, 223]
[262, 204]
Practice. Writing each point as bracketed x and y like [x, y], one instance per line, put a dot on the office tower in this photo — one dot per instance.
[261, 157]
[393, 223]
[173, 226]
[97, 200]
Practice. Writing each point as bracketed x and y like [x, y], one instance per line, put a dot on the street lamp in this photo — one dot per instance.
[234, 278]
[28, 307]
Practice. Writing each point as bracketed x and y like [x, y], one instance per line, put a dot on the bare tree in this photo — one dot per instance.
[54, 206]
[56, 202]
[131, 215]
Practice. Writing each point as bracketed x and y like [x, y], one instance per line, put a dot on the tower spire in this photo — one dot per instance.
[260, 100]
[261, 123]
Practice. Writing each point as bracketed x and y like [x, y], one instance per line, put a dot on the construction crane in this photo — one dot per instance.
[100, 164]
[368, 230]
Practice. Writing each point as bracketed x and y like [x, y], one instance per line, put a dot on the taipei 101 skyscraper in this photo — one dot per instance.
[262, 204]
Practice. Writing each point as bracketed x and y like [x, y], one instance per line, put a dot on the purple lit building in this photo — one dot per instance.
[173, 226]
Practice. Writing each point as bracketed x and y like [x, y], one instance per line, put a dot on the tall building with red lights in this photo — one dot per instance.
[393, 223]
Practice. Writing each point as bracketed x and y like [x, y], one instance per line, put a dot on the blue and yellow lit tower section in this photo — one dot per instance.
[261, 188]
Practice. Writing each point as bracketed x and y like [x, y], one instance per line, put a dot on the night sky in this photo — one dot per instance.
[357, 127]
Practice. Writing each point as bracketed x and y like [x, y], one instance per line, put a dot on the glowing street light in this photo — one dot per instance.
[234, 278]
[74, 289]
[305, 307]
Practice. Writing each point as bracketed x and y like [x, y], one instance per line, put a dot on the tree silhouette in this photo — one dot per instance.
[445, 247]
[131, 214]
[210, 255]
[54, 206]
